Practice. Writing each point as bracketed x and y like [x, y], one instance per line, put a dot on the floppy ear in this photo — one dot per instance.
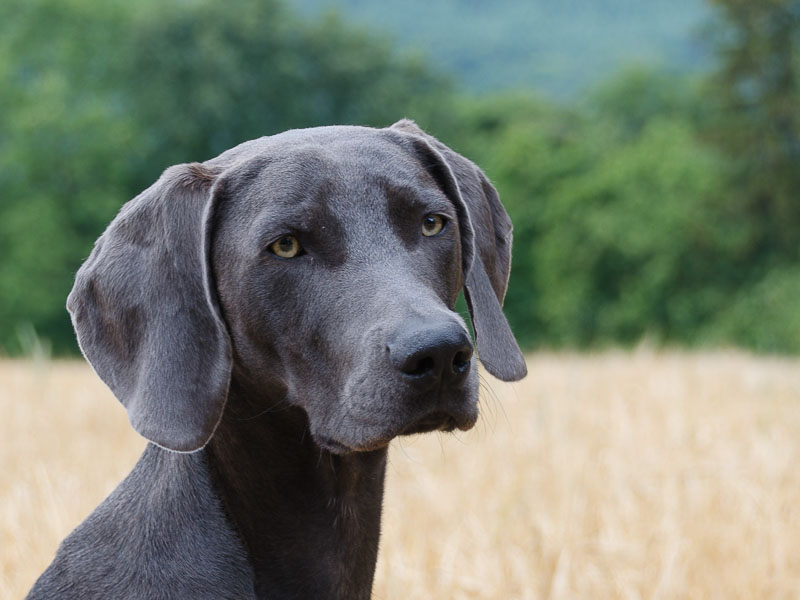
[486, 249]
[147, 317]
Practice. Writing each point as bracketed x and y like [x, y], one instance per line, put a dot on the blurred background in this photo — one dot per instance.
[647, 151]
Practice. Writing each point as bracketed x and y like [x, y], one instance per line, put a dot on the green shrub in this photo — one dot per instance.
[765, 316]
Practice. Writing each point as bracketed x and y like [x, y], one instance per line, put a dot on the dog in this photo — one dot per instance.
[271, 319]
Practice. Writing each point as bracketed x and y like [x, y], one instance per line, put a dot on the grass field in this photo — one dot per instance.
[643, 475]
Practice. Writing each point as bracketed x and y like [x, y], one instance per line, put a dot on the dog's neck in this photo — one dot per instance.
[310, 520]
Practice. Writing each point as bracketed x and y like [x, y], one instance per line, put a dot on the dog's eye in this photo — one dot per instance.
[286, 247]
[432, 224]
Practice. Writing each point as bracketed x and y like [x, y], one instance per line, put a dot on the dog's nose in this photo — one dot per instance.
[429, 353]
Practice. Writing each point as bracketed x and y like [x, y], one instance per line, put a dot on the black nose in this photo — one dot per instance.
[432, 352]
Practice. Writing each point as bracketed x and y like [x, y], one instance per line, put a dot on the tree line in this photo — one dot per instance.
[658, 206]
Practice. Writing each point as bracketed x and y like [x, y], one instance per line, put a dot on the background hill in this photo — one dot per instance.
[556, 47]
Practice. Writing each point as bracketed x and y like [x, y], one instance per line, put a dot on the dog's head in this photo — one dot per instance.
[317, 267]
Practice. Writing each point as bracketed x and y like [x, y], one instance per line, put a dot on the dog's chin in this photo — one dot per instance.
[434, 421]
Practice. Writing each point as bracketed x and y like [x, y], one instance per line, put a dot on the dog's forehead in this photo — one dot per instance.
[336, 138]
[341, 155]
[331, 170]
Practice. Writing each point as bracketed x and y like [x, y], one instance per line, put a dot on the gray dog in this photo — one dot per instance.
[271, 319]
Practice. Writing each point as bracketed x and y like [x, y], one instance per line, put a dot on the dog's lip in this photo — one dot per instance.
[439, 420]
[435, 421]
[447, 419]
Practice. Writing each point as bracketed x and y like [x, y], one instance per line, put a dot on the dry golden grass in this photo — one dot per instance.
[610, 476]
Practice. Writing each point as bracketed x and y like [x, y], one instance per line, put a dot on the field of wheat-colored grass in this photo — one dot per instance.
[618, 475]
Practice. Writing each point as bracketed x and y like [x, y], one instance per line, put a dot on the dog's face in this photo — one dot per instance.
[338, 266]
[319, 267]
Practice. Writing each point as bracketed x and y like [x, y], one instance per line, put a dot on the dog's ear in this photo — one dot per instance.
[485, 248]
[147, 316]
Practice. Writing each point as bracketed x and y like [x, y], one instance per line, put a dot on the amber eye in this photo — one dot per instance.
[432, 224]
[286, 247]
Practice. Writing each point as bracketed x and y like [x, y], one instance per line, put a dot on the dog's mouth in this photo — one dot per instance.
[444, 420]
[435, 421]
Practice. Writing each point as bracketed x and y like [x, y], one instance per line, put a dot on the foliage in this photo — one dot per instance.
[660, 205]
[99, 98]
[663, 206]
[755, 92]
[617, 232]
[763, 316]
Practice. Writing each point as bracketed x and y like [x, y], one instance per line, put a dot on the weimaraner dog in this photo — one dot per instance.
[271, 319]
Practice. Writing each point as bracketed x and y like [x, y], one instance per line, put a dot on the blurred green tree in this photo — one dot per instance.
[753, 121]
[659, 205]
[617, 231]
[98, 98]
[755, 93]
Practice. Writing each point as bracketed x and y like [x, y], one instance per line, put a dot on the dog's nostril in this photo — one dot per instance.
[461, 361]
[422, 366]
